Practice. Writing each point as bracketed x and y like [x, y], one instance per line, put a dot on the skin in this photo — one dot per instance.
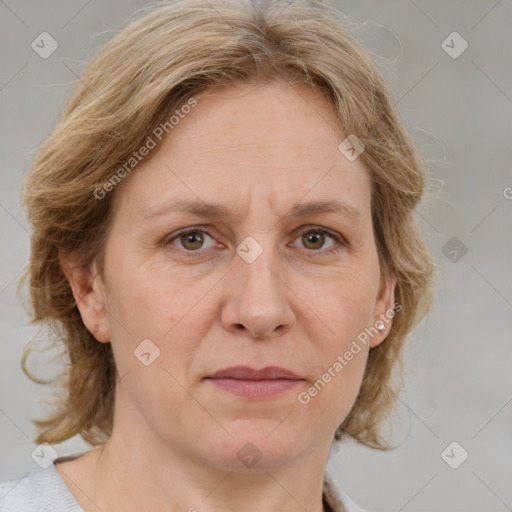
[299, 305]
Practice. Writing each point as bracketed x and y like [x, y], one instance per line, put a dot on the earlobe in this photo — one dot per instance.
[88, 292]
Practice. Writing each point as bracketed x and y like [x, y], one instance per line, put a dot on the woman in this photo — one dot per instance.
[223, 240]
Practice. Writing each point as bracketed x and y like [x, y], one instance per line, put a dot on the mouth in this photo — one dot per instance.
[255, 384]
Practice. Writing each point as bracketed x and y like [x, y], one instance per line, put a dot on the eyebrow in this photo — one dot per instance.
[221, 212]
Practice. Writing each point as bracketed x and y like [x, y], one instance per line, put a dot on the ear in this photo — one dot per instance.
[89, 293]
[384, 307]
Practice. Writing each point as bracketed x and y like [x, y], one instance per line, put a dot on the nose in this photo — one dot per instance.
[258, 298]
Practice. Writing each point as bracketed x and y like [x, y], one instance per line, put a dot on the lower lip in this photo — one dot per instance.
[256, 389]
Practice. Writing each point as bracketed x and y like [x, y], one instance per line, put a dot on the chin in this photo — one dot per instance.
[258, 445]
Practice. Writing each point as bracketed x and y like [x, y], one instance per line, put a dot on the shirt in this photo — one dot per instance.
[43, 490]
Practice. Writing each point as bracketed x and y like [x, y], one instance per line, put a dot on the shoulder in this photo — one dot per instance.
[338, 499]
[40, 490]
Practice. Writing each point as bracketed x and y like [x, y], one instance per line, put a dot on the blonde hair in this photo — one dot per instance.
[170, 53]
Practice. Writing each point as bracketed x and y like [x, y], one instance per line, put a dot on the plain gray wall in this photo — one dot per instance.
[459, 111]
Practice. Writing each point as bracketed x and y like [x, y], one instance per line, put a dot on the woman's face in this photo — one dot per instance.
[249, 286]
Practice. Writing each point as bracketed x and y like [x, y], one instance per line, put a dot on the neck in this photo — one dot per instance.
[165, 480]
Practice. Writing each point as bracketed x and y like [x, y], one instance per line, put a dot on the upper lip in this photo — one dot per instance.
[247, 373]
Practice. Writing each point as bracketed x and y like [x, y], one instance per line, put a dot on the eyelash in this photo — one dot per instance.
[341, 242]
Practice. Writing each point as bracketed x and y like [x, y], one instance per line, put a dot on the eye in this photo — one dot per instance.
[191, 240]
[314, 239]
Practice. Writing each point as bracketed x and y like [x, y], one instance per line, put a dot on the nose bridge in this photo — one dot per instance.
[258, 263]
[257, 266]
[259, 298]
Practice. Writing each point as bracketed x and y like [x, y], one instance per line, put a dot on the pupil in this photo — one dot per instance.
[194, 238]
[312, 237]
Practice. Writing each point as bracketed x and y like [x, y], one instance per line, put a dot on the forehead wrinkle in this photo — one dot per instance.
[221, 212]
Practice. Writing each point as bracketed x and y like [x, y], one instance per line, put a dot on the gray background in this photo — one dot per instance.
[459, 111]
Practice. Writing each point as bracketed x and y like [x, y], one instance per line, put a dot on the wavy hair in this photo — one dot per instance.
[168, 53]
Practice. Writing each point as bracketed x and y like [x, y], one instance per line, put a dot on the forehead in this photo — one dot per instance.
[270, 145]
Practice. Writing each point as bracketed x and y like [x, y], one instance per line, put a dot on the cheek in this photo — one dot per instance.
[347, 303]
[329, 399]
[153, 343]
[346, 306]
[159, 399]
[148, 304]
